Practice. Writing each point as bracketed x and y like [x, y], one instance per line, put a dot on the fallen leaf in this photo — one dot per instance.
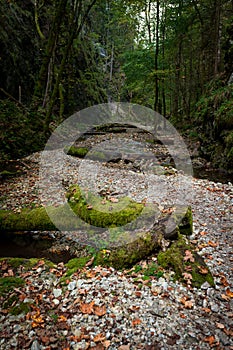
[188, 256]
[203, 270]
[87, 308]
[188, 304]
[187, 276]
[225, 297]
[90, 262]
[220, 325]
[206, 309]
[224, 282]
[114, 200]
[45, 339]
[203, 233]
[212, 244]
[136, 322]
[99, 310]
[211, 340]
[99, 337]
[90, 274]
[62, 318]
[124, 347]
[229, 293]
[106, 343]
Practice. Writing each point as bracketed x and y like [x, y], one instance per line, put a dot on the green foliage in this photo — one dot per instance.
[214, 115]
[20, 133]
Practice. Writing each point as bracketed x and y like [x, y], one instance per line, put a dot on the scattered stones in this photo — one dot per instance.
[100, 308]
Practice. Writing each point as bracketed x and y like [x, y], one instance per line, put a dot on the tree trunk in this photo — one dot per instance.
[156, 102]
[77, 27]
[49, 50]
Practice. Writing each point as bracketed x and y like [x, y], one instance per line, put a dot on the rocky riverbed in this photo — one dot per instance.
[140, 308]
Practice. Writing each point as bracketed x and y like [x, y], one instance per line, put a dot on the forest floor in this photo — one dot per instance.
[102, 308]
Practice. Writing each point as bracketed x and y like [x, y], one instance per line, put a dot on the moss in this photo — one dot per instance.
[80, 152]
[101, 212]
[73, 265]
[20, 308]
[184, 220]
[153, 270]
[35, 219]
[26, 263]
[131, 253]
[9, 283]
[174, 258]
[97, 212]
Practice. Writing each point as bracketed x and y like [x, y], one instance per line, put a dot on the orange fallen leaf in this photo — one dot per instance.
[229, 293]
[209, 257]
[62, 318]
[211, 340]
[99, 310]
[203, 270]
[99, 337]
[212, 244]
[106, 343]
[203, 233]
[223, 281]
[182, 315]
[206, 309]
[136, 322]
[188, 304]
[90, 274]
[87, 308]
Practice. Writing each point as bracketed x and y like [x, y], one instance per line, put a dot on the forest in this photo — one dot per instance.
[58, 57]
[116, 234]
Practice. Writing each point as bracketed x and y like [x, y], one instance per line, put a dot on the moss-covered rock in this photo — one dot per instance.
[101, 212]
[183, 259]
[79, 152]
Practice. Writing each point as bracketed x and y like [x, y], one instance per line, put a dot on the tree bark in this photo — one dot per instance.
[49, 50]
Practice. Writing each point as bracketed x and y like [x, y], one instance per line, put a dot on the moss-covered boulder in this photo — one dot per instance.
[188, 266]
[102, 212]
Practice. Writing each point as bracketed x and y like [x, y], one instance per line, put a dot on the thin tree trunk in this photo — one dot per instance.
[41, 82]
[156, 102]
[74, 33]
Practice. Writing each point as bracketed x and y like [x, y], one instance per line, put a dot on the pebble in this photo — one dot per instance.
[57, 292]
[35, 345]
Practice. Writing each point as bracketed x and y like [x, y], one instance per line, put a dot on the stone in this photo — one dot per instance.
[35, 345]
[57, 292]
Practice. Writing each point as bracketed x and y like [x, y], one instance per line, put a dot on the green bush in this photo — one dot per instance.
[21, 131]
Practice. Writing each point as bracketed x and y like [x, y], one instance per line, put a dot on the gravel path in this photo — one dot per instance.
[99, 308]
